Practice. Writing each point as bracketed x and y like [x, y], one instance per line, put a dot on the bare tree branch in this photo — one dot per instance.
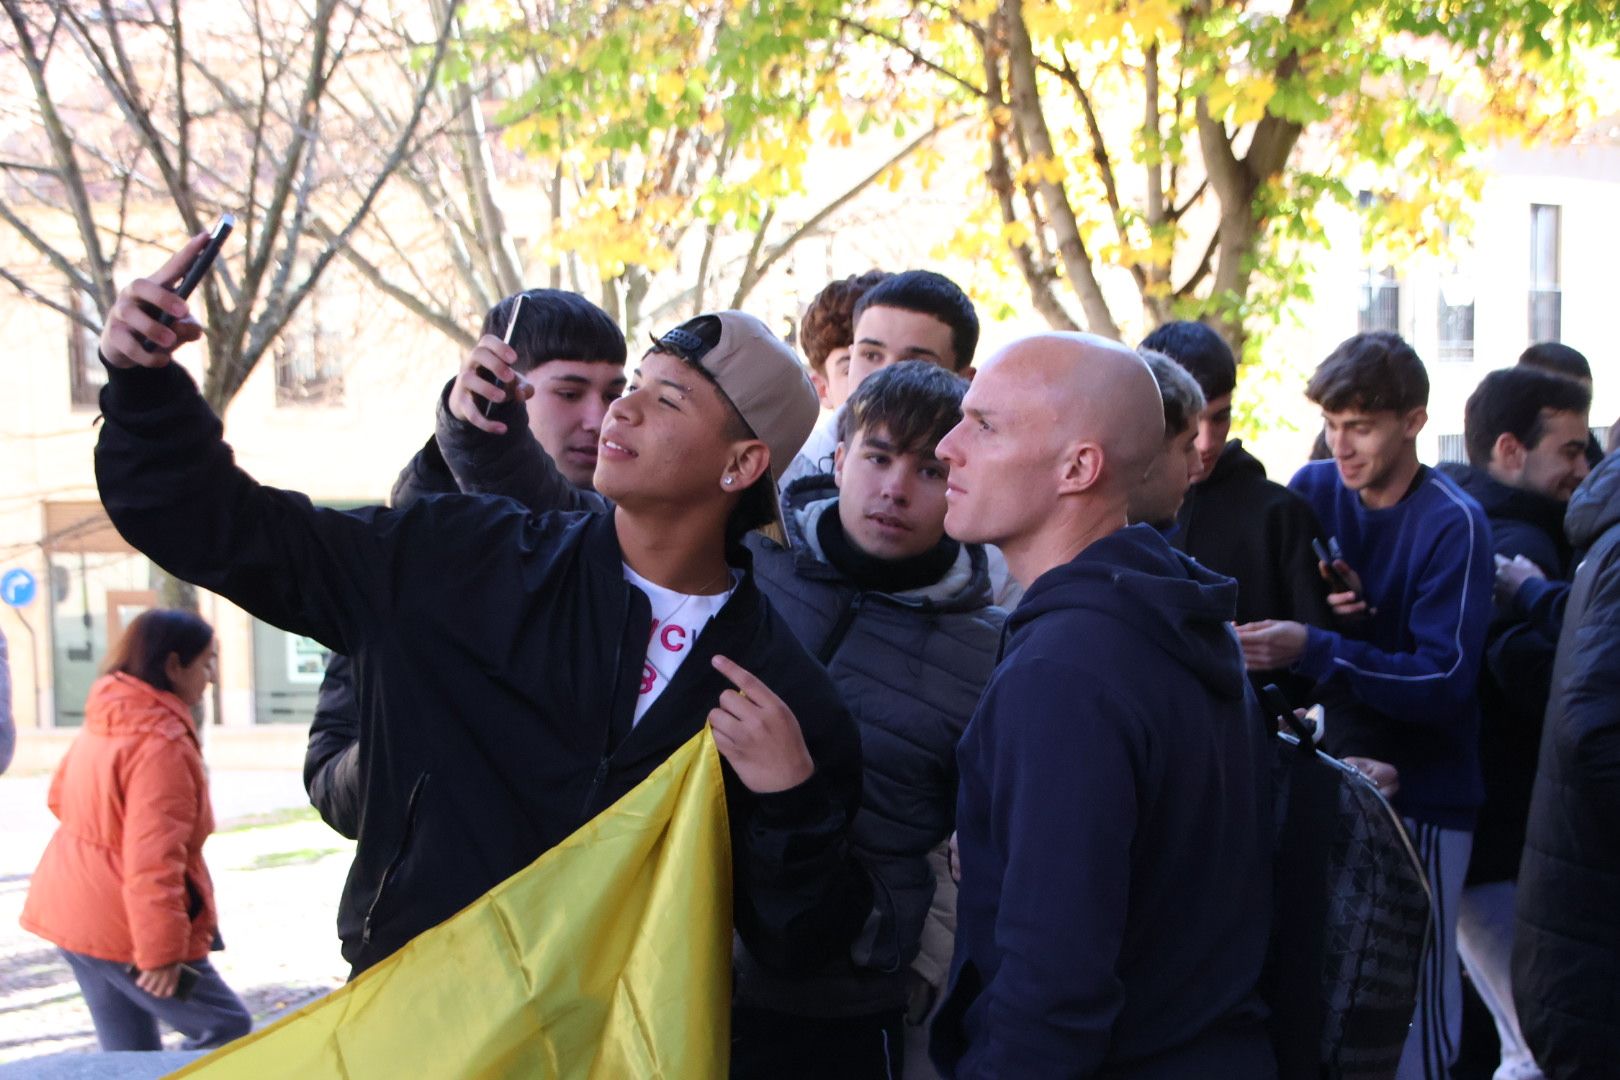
[38, 297]
[100, 284]
[917, 57]
[1026, 109]
[753, 274]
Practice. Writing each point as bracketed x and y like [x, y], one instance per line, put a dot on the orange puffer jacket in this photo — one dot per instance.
[123, 878]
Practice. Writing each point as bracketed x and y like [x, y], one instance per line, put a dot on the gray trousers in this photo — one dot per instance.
[126, 1016]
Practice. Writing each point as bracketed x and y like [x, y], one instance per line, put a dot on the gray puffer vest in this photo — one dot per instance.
[910, 667]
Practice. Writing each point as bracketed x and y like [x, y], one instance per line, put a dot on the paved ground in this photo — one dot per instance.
[277, 871]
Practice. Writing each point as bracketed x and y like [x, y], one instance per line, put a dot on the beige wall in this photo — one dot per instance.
[392, 370]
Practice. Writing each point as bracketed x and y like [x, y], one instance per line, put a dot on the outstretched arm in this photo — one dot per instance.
[172, 488]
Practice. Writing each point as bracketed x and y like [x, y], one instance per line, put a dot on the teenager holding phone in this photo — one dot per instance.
[1406, 649]
[500, 655]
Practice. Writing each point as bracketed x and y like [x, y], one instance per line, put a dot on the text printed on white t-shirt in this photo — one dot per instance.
[677, 620]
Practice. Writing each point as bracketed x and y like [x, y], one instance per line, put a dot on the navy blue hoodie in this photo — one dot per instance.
[1114, 823]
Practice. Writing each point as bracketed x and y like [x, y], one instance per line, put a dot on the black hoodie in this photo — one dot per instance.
[1517, 674]
[1238, 523]
[1114, 823]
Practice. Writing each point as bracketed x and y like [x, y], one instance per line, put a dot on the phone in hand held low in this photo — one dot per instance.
[1329, 554]
[184, 987]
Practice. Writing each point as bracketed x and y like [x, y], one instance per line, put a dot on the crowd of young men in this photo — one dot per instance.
[999, 603]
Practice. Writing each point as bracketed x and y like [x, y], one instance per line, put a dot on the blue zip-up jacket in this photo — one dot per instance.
[1114, 826]
[1426, 569]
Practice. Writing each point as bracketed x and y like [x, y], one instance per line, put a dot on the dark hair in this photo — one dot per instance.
[928, 293]
[556, 325]
[1515, 400]
[914, 402]
[150, 638]
[1183, 398]
[1377, 372]
[1320, 450]
[754, 508]
[1557, 358]
[1201, 351]
[829, 321]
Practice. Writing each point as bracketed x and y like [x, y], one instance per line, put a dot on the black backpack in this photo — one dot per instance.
[1351, 921]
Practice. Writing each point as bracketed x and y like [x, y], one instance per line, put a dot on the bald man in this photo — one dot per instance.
[1114, 810]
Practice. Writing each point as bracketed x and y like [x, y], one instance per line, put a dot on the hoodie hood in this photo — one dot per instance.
[1233, 462]
[1135, 577]
[121, 704]
[1499, 501]
[1595, 507]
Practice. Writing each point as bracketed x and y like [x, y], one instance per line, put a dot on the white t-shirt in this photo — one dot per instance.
[677, 620]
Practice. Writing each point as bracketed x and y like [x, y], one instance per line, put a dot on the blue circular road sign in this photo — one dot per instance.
[18, 588]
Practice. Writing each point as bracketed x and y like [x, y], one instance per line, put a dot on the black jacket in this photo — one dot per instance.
[1566, 949]
[1517, 674]
[910, 666]
[1114, 825]
[1238, 523]
[331, 760]
[497, 655]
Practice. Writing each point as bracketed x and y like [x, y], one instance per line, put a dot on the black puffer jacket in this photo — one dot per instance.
[1566, 953]
[332, 758]
[910, 666]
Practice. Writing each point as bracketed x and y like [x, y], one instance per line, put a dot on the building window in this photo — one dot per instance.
[1453, 448]
[306, 355]
[1380, 301]
[86, 375]
[1456, 319]
[1546, 295]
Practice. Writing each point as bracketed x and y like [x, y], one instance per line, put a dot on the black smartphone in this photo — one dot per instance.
[186, 984]
[194, 273]
[1282, 712]
[486, 406]
[1328, 557]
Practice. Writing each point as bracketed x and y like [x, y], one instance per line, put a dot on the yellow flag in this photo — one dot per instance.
[609, 957]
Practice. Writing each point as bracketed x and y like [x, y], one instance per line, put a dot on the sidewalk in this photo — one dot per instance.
[277, 872]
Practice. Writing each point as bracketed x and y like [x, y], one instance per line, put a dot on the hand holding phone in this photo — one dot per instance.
[173, 980]
[488, 405]
[198, 267]
[1282, 713]
[1345, 594]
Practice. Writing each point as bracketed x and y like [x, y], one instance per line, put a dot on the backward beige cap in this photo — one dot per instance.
[764, 380]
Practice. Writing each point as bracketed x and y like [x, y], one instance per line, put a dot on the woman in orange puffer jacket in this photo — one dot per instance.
[122, 889]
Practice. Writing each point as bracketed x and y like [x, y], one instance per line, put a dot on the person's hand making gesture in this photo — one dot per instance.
[758, 734]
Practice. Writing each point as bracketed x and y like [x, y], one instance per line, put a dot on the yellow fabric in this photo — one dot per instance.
[607, 958]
